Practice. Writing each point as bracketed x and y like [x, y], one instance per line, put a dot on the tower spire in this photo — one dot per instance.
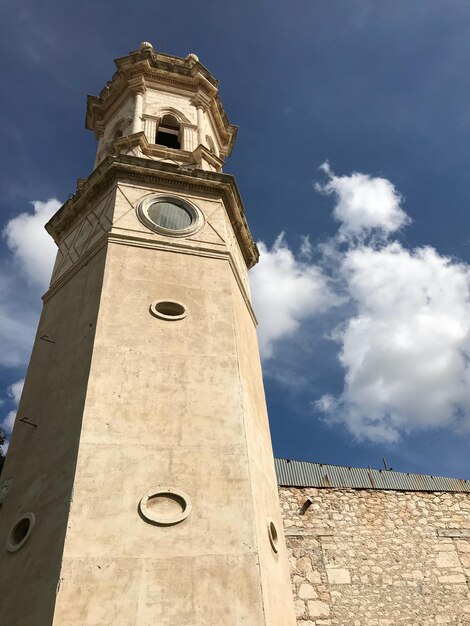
[162, 107]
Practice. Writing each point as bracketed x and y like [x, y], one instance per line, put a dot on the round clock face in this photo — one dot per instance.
[170, 216]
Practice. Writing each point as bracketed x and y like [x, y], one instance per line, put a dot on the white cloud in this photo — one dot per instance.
[286, 291]
[363, 203]
[306, 248]
[405, 344]
[13, 395]
[23, 278]
[404, 340]
[15, 390]
[32, 247]
[406, 351]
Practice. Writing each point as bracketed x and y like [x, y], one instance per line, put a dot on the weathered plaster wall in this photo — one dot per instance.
[41, 460]
[171, 404]
[377, 558]
[274, 569]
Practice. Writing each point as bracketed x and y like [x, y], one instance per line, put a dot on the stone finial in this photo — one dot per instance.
[146, 45]
[193, 57]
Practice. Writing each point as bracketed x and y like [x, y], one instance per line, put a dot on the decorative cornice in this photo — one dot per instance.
[182, 248]
[139, 140]
[157, 151]
[202, 153]
[162, 70]
[83, 260]
[200, 100]
[167, 175]
[137, 85]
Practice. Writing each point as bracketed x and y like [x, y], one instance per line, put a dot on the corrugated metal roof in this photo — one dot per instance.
[307, 474]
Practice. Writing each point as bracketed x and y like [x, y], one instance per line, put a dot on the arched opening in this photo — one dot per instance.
[168, 132]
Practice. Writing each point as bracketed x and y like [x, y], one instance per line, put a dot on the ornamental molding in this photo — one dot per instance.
[137, 86]
[202, 153]
[179, 497]
[186, 158]
[179, 246]
[197, 218]
[86, 233]
[201, 101]
[184, 248]
[165, 176]
[166, 110]
[144, 69]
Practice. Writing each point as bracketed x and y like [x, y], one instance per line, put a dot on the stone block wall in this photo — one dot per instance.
[378, 558]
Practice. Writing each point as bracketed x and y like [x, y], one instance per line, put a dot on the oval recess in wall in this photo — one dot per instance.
[165, 506]
[20, 532]
[273, 536]
[168, 310]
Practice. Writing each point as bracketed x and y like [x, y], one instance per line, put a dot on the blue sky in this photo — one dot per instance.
[380, 88]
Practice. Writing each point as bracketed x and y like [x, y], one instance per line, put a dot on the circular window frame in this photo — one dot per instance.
[163, 316]
[273, 535]
[197, 217]
[177, 494]
[13, 546]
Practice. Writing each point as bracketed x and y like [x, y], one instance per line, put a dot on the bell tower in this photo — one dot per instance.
[139, 487]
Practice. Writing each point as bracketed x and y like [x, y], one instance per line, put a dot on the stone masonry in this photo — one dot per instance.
[378, 558]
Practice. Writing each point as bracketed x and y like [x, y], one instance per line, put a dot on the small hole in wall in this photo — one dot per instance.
[168, 309]
[20, 532]
[303, 509]
[273, 536]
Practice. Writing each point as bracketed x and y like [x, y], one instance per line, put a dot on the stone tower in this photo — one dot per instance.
[139, 486]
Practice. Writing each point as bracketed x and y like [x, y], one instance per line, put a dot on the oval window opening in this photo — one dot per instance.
[170, 216]
[168, 309]
[20, 532]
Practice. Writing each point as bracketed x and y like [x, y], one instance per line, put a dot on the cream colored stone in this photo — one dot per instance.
[300, 607]
[447, 559]
[307, 592]
[131, 126]
[463, 546]
[313, 577]
[446, 545]
[452, 579]
[316, 609]
[303, 564]
[338, 576]
[390, 569]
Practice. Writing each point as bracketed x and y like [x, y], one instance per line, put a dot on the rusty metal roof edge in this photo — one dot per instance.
[291, 473]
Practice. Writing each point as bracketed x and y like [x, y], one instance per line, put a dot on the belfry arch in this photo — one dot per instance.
[169, 132]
